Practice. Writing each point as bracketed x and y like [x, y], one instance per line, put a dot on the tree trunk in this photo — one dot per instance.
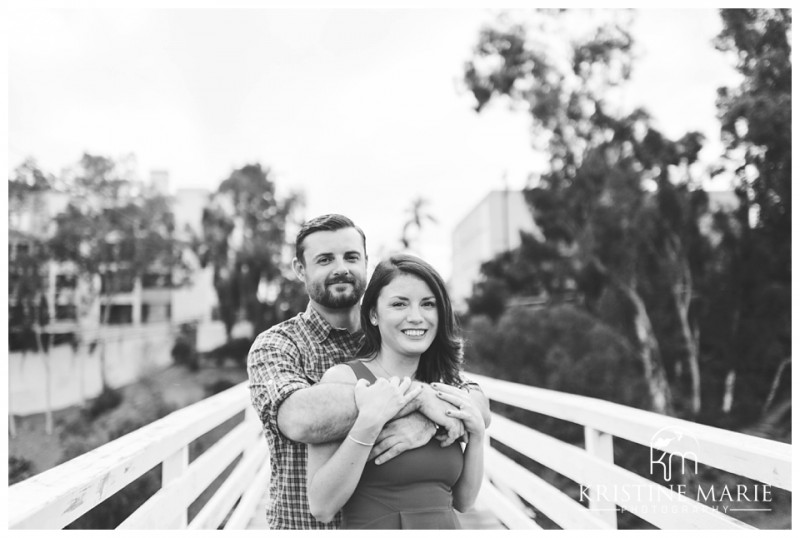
[78, 356]
[646, 344]
[727, 398]
[12, 421]
[48, 411]
[104, 337]
[694, 371]
[776, 381]
[48, 360]
[682, 295]
[649, 354]
[228, 331]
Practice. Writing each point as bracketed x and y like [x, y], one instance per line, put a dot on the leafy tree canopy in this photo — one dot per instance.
[244, 239]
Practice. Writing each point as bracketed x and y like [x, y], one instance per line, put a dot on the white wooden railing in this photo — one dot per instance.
[608, 487]
[56, 497]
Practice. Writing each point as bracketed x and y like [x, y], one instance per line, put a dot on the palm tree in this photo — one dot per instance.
[417, 215]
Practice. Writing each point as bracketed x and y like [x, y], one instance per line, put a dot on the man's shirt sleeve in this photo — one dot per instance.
[275, 371]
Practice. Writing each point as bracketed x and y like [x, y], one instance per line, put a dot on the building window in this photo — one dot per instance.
[65, 280]
[119, 314]
[66, 311]
[156, 280]
[121, 282]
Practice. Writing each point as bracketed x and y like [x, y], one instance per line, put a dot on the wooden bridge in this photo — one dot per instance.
[668, 493]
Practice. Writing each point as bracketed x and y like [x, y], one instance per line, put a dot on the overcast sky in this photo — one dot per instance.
[361, 110]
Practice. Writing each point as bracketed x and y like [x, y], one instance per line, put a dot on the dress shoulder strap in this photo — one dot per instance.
[361, 371]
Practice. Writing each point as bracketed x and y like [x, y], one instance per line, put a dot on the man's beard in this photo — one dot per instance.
[322, 294]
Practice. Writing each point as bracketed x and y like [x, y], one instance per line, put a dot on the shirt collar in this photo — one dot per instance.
[319, 327]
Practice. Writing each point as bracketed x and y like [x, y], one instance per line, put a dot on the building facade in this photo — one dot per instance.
[153, 297]
[491, 227]
[135, 326]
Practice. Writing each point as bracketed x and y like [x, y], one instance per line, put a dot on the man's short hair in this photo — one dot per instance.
[324, 223]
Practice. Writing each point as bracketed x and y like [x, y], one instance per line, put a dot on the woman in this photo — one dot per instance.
[410, 334]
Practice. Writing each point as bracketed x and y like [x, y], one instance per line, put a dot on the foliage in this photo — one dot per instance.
[560, 348]
[756, 118]
[535, 269]
[598, 203]
[417, 215]
[184, 354]
[184, 351]
[218, 386]
[107, 400]
[235, 349]
[28, 308]
[113, 227]
[754, 283]
[19, 469]
[630, 236]
[28, 177]
[86, 433]
[244, 237]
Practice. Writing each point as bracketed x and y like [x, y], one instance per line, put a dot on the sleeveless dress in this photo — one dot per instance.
[410, 491]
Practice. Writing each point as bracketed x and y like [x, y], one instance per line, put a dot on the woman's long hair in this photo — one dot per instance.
[441, 362]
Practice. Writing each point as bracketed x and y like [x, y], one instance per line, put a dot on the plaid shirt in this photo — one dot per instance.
[287, 357]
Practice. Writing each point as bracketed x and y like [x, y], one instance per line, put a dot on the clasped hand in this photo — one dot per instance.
[437, 404]
[462, 409]
[380, 401]
[438, 410]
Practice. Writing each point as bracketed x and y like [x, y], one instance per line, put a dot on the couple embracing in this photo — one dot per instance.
[369, 421]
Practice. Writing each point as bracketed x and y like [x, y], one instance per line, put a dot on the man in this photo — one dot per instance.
[286, 362]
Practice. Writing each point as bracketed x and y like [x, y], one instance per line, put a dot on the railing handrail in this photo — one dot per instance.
[58, 496]
[761, 459]
[55, 498]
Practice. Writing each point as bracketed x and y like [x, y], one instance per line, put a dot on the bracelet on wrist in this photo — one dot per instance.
[362, 443]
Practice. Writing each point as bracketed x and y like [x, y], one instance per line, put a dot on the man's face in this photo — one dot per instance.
[334, 268]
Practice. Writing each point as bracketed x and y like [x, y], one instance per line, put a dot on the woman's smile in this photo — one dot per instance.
[415, 333]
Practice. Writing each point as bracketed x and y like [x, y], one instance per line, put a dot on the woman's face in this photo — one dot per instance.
[406, 316]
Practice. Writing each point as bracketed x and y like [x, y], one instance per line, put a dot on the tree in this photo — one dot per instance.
[244, 236]
[756, 129]
[561, 348]
[615, 194]
[28, 307]
[417, 216]
[536, 269]
[116, 230]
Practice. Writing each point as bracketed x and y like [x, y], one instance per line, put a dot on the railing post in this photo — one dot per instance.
[601, 445]
[172, 469]
[500, 486]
